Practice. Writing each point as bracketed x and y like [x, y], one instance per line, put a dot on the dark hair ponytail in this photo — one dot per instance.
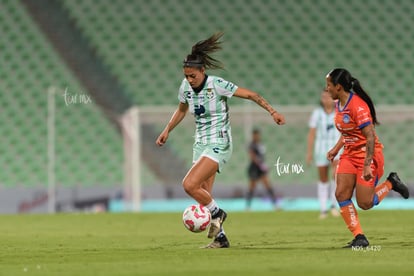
[200, 53]
[343, 77]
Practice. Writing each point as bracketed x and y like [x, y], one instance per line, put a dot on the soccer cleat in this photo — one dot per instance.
[323, 215]
[359, 241]
[398, 185]
[216, 223]
[220, 242]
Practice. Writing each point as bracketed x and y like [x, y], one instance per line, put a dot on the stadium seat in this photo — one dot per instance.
[29, 68]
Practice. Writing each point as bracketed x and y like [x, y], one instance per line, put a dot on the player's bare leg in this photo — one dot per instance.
[198, 183]
[204, 170]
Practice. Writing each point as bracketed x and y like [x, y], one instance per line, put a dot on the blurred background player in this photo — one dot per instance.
[206, 98]
[322, 136]
[258, 170]
[361, 164]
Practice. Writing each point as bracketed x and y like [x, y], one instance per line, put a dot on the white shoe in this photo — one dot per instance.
[323, 215]
[335, 212]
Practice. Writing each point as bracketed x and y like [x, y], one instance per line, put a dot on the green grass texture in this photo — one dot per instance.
[262, 243]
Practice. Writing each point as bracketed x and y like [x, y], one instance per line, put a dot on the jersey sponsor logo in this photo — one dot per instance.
[346, 119]
[210, 93]
[199, 109]
[329, 127]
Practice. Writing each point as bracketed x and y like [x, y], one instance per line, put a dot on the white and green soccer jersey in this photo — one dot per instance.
[210, 109]
[326, 134]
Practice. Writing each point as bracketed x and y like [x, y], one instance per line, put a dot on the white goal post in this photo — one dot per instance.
[131, 140]
[131, 132]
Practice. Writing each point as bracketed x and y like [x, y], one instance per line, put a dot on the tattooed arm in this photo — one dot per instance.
[369, 133]
[253, 96]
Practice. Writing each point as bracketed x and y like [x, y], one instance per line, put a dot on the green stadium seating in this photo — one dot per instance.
[282, 49]
[29, 67]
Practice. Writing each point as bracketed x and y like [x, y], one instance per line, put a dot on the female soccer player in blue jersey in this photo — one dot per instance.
[322, 136]
[206, 98]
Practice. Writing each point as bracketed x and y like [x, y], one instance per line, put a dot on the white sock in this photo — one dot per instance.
[332, 187]
[213, 207]
[323, 189]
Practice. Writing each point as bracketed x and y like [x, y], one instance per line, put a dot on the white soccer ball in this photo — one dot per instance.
[196, 218]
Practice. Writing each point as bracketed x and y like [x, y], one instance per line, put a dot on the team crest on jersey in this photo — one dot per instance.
[346, 119]
[210, 93]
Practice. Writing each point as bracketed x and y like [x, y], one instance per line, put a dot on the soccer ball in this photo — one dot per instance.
[196, 218]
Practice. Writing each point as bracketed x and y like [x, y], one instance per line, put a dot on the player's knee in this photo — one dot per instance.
[365, 205]
[188, 185]
[341, 196]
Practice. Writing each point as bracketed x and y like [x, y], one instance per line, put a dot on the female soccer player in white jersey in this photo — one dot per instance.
[322, 136]
[206, 98]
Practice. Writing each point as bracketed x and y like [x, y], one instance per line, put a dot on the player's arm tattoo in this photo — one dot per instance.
[369, 134]
[263, 103]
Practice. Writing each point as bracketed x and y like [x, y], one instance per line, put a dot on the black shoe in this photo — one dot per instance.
[220, 214]
[398, 185]
[359, 241]
[219, 242]
[216, 223]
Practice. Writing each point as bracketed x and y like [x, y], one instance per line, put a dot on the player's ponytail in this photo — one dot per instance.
[357, 88]
[200, 53]
[343, 77]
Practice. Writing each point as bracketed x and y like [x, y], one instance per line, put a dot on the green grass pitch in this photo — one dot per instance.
[262, 243]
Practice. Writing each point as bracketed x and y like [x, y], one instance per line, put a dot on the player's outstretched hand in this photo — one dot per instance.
[278, 118]
[162, 138]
